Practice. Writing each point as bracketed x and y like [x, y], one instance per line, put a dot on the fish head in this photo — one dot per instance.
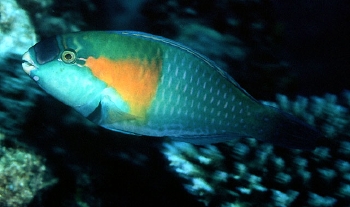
[57, 67]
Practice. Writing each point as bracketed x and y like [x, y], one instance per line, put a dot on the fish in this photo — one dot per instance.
[142, 84]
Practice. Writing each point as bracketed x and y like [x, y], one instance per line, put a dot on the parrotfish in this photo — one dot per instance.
[142, 84]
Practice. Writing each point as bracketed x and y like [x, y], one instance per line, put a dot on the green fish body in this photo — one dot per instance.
[142, 84]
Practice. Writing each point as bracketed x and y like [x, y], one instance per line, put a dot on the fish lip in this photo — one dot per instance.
[28, 65]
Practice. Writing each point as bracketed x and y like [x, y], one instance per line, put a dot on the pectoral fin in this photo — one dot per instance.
[110, 110]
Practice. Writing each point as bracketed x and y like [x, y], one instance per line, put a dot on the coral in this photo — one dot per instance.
[16, 31]
[22, 175]
[17, 92]
[253, 173]
[190, 162]
[329, 114]
[63, 16]
[16, 36]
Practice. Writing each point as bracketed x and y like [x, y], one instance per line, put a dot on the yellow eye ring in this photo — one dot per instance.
[68, 56]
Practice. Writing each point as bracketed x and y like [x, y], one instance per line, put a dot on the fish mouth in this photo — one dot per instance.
[28, 64]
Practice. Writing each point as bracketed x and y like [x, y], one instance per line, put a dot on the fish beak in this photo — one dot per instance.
[28, 64]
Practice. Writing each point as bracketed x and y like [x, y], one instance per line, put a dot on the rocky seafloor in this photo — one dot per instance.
[51, 156]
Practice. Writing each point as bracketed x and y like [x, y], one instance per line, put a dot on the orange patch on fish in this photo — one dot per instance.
[135, 80]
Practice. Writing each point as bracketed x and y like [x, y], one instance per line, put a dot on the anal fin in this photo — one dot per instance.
[207, 139]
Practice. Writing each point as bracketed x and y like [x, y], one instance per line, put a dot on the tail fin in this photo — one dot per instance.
[288, 131]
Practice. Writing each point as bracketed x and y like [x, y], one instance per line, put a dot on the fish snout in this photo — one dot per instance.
[28, 64]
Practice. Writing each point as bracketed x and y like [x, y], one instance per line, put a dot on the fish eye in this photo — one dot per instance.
[68, 56]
